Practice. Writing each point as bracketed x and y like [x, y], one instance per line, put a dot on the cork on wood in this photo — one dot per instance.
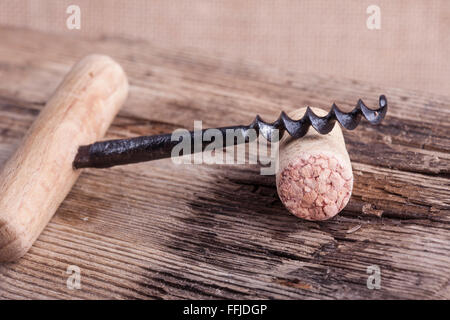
[315, 179]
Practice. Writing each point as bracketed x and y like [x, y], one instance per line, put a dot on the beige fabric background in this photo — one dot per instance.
[411, 50]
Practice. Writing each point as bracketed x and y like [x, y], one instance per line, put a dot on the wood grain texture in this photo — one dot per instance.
[159, 230]
[37, 178]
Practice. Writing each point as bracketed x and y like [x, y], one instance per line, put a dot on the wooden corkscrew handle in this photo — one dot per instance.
[39, 175]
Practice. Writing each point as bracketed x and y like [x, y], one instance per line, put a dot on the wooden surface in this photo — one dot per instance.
[160, 230]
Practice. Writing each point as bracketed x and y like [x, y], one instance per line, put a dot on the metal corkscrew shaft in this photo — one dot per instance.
[105, 154]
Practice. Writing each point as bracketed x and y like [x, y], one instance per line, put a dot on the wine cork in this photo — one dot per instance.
[315, 178]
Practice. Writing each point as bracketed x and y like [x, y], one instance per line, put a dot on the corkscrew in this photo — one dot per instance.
[37, 178]
[105, 154]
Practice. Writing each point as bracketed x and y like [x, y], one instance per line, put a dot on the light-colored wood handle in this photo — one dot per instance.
[37, 178]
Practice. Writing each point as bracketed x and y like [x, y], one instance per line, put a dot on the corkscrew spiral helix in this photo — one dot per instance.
[323, 125]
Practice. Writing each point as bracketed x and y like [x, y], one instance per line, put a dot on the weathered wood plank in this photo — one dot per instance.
[160, 230]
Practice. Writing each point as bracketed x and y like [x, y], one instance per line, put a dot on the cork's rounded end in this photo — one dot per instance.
[315, 187]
